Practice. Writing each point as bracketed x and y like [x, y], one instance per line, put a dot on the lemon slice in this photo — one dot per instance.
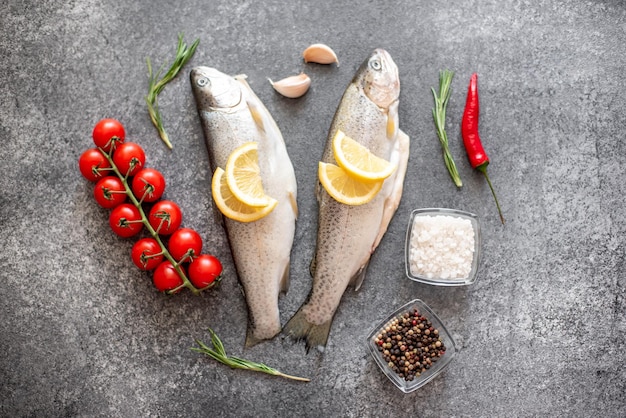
[233, 208]
[244, 177]
[344, 188]
[358, 161]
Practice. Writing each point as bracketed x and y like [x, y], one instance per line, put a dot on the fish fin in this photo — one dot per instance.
[299, 329]
[285, 280]
[218, 217]
[393, 120]
[313, 264]
[400, 156]
[251, 340]
[319, 190]
[294, 203]
[357, 279]
[257, 115]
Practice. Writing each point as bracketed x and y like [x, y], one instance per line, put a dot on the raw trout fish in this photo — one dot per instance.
[231, 114]
[348, 235]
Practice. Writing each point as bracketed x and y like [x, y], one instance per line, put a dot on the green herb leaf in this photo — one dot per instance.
[156, 83]
[219, 353]
[439, 116]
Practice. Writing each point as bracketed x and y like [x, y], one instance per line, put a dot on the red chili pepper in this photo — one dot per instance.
[469, 130]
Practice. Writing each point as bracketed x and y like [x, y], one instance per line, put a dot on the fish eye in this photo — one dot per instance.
[376, 65]
[202, 81]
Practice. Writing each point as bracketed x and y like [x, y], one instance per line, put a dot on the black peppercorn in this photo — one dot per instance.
[409, 344]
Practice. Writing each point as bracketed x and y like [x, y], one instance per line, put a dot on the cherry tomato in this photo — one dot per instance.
[129, 158]
[93, 165]
[204, 270]
[146, 254]
[108, 133]
[148, 185]
[183, 242]
[109, 192]
[125, 220]
[165, 217]
[165, 277]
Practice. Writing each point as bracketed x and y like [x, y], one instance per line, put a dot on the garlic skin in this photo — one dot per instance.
[294, 86]
[320, 54]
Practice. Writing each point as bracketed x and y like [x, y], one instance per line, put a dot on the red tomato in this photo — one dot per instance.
[125, 220]
[185, 242]
[165, 217]
[204, 270]
[165, 277]
[109, 192]
[146, 254]
[148, 185]
[108, 133]
[93, 165]
[129, 158]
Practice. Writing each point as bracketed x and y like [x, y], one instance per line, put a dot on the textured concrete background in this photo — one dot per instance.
[542, 331]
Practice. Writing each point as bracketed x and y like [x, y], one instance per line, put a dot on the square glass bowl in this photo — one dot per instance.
[437, 279]
[435, 369]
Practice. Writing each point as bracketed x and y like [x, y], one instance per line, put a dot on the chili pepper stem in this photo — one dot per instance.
[483, 169]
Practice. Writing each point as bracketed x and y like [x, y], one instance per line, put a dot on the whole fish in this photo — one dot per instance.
[348, 235]
[231, 114]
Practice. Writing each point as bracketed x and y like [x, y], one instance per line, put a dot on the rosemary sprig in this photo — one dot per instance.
[219, 353]
[156, 83]
[439, 116]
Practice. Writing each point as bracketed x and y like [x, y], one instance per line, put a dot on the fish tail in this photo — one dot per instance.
[299, 328]
[251, 340]
[253, 336]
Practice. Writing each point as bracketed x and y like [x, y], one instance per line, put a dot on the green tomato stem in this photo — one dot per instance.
[153, 233]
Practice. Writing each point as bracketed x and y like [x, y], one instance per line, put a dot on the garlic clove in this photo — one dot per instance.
[294, 86]
[320, 54]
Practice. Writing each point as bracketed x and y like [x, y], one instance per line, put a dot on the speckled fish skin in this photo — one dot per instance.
[348, 235]
[231, 114]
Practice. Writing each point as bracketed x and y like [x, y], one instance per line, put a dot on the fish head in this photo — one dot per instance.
[378, 78]
[215, 90]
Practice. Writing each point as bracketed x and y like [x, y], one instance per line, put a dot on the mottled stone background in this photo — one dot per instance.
[542, 331]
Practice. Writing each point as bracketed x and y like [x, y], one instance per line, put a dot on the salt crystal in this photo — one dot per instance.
[441, 246]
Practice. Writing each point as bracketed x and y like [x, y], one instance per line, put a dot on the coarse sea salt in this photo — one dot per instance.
[441, 247]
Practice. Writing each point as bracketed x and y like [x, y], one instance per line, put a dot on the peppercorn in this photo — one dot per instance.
[409, 344]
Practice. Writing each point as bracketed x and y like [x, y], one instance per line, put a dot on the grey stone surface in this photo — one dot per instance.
[542, 331]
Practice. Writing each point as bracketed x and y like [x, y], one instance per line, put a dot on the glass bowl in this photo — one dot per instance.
[436, 367]
[433, 249]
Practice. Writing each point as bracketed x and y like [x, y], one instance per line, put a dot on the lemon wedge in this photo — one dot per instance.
[244, 177]
[358, 161]
[232, 207]
[345, 188]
